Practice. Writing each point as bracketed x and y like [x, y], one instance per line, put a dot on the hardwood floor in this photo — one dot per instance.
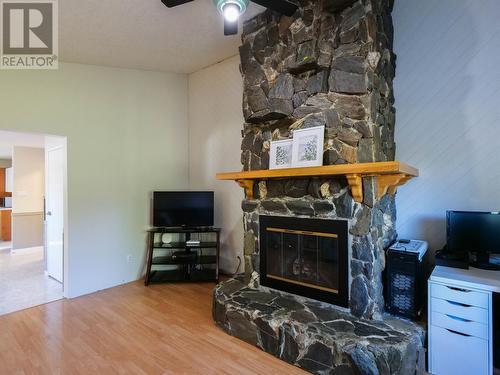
[130, 329]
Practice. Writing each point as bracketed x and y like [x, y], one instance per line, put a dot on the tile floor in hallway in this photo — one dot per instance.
[23, 282]
[5, 245]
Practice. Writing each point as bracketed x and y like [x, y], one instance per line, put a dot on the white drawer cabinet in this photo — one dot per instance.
[463, 326]
[460, 295]
[453, 353]
[460, 341]
[459, 310]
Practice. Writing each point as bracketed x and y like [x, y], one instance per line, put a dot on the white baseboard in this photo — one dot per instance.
[27, 251]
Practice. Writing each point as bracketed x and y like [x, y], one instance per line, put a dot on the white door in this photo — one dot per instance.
[54, 212]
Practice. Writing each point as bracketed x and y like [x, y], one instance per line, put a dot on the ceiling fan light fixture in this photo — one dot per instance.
[231, 9]
[231, 12]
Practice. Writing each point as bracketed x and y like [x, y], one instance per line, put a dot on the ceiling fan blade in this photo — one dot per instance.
[174, 3]
[230, 28]
[281, 6]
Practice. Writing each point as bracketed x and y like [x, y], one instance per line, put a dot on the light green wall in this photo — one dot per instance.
[127, 135]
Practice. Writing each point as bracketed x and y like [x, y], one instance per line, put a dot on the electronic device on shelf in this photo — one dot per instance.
[474, 233]
[193, 243]
[406, 276]
[184, 256]
[183, 209]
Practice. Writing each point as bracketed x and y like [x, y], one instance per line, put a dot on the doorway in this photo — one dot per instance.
[32, 262]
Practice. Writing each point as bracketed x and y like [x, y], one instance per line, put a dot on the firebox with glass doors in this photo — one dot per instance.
[308, 257]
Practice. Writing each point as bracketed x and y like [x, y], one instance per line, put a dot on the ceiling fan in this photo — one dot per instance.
[233, 9]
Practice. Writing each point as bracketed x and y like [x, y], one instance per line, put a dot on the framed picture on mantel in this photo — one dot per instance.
[308, 147]
[280, 155]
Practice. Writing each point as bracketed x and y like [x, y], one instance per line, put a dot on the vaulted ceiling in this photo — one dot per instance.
[144, 34]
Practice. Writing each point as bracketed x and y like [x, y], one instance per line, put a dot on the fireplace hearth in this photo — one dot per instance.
[316, 336]
[304, 256]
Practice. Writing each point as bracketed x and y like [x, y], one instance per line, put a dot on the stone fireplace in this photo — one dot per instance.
[307, 257]
[331, 64]
[312, 293]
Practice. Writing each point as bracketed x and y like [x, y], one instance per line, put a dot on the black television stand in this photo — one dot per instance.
[173, 258]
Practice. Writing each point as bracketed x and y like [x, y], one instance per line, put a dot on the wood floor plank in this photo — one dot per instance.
[130, 329]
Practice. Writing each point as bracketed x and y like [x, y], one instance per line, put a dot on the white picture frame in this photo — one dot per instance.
[308, 147]
[280, 155]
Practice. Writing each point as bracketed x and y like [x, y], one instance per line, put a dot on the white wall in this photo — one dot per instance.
[127, 135]
[215, 123]
[447, 91]
[28, 166]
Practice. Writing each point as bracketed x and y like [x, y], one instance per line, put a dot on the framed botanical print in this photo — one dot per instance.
[308, 147]
[280, 155]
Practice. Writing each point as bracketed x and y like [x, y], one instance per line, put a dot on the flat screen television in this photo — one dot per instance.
[474, 232]
[183, 208]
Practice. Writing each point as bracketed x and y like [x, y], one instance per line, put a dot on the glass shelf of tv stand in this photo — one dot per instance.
[183, 230]
[158, 276]
[183, 245]
[167, 260]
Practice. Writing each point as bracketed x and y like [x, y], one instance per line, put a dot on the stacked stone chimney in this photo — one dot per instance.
[330, 64]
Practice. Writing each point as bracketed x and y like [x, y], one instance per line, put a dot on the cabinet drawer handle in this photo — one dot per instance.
[457, 318]
[457, 333]
[458, 289]
[458, 304]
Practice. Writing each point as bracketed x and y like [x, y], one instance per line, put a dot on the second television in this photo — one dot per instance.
[183, 208]
[477, 233]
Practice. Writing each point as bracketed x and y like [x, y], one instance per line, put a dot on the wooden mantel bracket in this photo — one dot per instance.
[389, 183]
[356, 185]
[248, 186]
[389, 176]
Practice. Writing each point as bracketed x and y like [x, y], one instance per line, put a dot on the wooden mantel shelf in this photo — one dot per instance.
[389, 175]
